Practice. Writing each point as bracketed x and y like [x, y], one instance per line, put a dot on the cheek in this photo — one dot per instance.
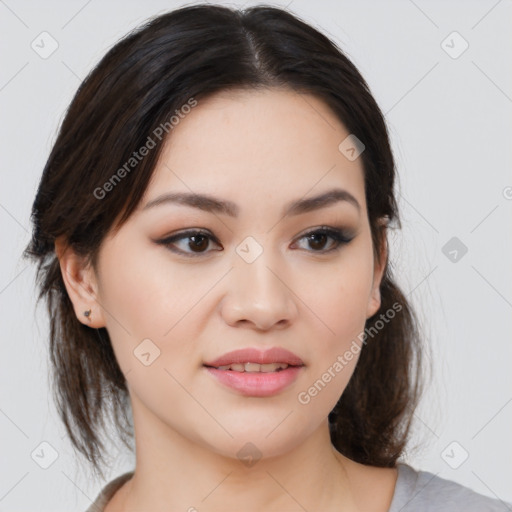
[344, 303]
[338, 295]
[340, 302]
[143, 298]
[162, 308]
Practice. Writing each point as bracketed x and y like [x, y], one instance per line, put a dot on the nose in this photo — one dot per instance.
[259, 296]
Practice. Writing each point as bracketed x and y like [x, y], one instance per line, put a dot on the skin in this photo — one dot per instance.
[260, 150]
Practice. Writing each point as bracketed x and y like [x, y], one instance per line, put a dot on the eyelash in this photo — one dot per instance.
[339, 236]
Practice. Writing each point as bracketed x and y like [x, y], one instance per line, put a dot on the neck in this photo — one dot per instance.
[174, 473]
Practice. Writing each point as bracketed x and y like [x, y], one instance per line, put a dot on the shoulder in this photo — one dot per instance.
[422, 491]
[108, 492]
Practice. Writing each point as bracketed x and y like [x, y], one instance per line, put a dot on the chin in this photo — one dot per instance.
[258, 442]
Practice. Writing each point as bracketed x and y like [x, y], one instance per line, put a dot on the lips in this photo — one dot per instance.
[254, 367]
[256, 373]
[259, 357]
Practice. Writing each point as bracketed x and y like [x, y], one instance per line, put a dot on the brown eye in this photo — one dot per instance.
[198, 243]
[319, 238]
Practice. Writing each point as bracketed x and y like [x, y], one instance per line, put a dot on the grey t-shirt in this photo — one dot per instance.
[415, 491]
[421, 491]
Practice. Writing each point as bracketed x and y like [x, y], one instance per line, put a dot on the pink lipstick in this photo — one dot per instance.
[253, 372]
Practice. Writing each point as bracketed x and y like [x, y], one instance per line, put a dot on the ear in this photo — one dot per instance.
[81, 284]
[374, 300]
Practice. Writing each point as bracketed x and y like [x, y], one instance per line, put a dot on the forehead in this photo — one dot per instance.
[253, 145]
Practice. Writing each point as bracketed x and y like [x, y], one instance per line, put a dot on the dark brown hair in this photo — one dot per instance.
[194, 52]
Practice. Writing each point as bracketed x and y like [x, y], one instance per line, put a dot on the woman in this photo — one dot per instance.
[211, 231]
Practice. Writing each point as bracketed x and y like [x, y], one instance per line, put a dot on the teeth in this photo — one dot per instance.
[254, 367]
[271, 367]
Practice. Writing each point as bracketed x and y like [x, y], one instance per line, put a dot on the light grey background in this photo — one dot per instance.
[451, 125]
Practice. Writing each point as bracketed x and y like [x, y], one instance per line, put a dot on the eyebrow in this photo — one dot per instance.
[215, 205]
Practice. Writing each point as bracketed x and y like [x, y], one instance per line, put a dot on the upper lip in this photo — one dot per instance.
[254, 355]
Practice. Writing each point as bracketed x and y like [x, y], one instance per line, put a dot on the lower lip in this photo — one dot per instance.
[256, 383]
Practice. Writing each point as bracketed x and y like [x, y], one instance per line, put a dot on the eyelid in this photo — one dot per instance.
[332, 229]
[166, 241]
[341, 236]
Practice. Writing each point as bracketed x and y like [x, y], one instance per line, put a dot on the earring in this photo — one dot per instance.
[87, 314]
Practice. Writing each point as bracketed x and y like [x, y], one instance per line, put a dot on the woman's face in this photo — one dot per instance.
[252, 278]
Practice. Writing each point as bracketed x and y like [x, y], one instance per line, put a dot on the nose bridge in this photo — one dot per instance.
[257, 278]
[253, 269]
[257, 291]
